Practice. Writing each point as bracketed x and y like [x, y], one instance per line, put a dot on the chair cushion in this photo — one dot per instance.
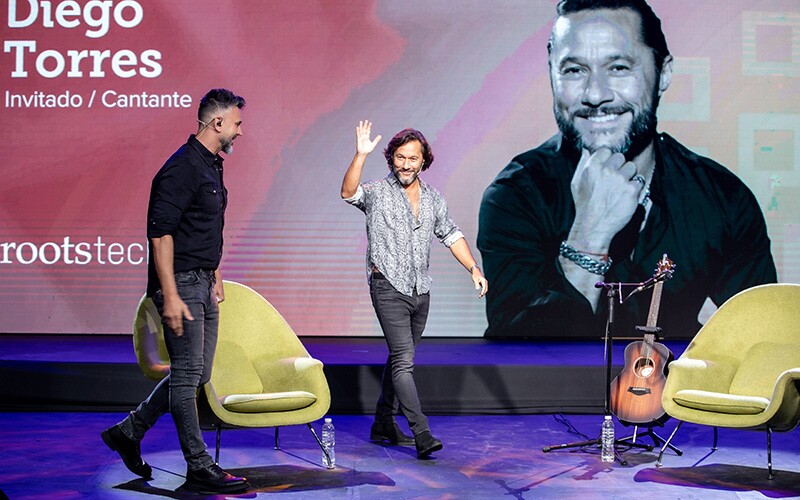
[721, 403]
[761, 367]
[268, 402]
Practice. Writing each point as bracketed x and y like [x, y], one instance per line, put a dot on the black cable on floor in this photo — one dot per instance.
[560, 418]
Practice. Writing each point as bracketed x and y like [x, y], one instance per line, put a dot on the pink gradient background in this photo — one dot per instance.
[471, 75]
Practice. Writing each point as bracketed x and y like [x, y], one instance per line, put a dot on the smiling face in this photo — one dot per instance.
[407, 162]
[605, 83]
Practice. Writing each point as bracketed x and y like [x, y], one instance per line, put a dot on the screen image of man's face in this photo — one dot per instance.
[604, 81]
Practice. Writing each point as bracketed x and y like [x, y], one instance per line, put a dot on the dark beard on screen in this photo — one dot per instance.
[640, 134]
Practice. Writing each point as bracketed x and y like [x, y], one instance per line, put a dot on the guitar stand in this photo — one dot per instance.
[658, 441]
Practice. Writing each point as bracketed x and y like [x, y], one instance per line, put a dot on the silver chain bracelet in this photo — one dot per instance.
[585, 262]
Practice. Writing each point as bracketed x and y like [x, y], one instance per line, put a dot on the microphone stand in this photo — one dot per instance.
[613, 291]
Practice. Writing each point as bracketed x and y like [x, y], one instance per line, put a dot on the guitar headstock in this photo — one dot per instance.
[664, 269]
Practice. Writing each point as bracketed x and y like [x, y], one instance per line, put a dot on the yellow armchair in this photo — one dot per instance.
[742, 369]
[262, 375]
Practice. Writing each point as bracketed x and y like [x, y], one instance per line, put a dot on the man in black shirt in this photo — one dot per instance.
[185, 217]
[608, 196]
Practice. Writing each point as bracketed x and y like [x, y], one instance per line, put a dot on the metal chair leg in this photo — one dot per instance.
[658, 440]
[714, 446]
[321, 446]
[277, 446]
[770, 475]
[667, 443]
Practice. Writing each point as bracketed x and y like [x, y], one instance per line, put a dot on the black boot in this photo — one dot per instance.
[128, 449]
[426, 444]
[214, 480]
[389, 431]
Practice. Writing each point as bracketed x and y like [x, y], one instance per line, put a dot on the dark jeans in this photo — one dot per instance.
[402, 319]
[191, 356]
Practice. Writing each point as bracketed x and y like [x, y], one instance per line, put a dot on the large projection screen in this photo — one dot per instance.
[97, 94]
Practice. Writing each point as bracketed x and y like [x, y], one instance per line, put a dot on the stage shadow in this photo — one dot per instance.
[726, 477]
[276, 478]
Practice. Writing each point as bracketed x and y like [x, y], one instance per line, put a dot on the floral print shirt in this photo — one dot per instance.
[398, 243]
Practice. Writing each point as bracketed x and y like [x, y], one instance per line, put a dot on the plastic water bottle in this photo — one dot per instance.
[607, 440]
[328, 442]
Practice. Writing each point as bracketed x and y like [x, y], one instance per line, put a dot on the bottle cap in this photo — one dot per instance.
[327, 420]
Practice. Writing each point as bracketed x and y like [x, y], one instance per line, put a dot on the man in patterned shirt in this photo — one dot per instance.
[403, 213]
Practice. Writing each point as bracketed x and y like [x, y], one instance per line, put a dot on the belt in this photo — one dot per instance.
[199, 271]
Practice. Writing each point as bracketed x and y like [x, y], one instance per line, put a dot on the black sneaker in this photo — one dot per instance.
[129, 451]
[214, 480]
[426, 444]
[389, 431]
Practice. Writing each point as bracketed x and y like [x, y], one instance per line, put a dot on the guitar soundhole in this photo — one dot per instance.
[644, 367]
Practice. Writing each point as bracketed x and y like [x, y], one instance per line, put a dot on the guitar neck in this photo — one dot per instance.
[655, 305]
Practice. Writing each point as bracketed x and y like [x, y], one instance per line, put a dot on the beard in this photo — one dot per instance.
[406, 182]
[226, 145]
[639, 135]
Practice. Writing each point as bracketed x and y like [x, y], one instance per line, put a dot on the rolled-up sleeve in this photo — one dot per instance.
[444, 228]
[171, 194]
[357, 200]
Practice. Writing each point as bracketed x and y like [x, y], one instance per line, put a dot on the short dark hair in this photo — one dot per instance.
[217, 99]
[404, 137]
[650, 31]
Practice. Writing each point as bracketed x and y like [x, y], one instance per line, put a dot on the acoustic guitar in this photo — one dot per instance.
[636, 391]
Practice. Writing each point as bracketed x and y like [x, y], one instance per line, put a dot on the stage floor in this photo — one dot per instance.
[60, 455]
[494, 405]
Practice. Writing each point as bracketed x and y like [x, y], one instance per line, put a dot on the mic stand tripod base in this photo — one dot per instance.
[613, 291]
[598, 442]
[581, 444]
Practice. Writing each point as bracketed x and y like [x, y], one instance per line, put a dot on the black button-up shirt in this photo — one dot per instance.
[702, 216]
[188, 200]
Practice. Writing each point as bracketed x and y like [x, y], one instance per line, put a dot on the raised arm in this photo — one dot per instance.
[364, 146]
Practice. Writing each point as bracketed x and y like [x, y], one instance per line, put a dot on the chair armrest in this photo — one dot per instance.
[788, 382]
[310, 371]
[786, 401]
[304, 364]
[211, 394]
[701, 374]
[296, 373]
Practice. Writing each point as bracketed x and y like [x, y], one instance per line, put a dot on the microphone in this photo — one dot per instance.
[651, 282]
[645, 285]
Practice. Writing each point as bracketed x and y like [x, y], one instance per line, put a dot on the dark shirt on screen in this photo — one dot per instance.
[702, 216]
